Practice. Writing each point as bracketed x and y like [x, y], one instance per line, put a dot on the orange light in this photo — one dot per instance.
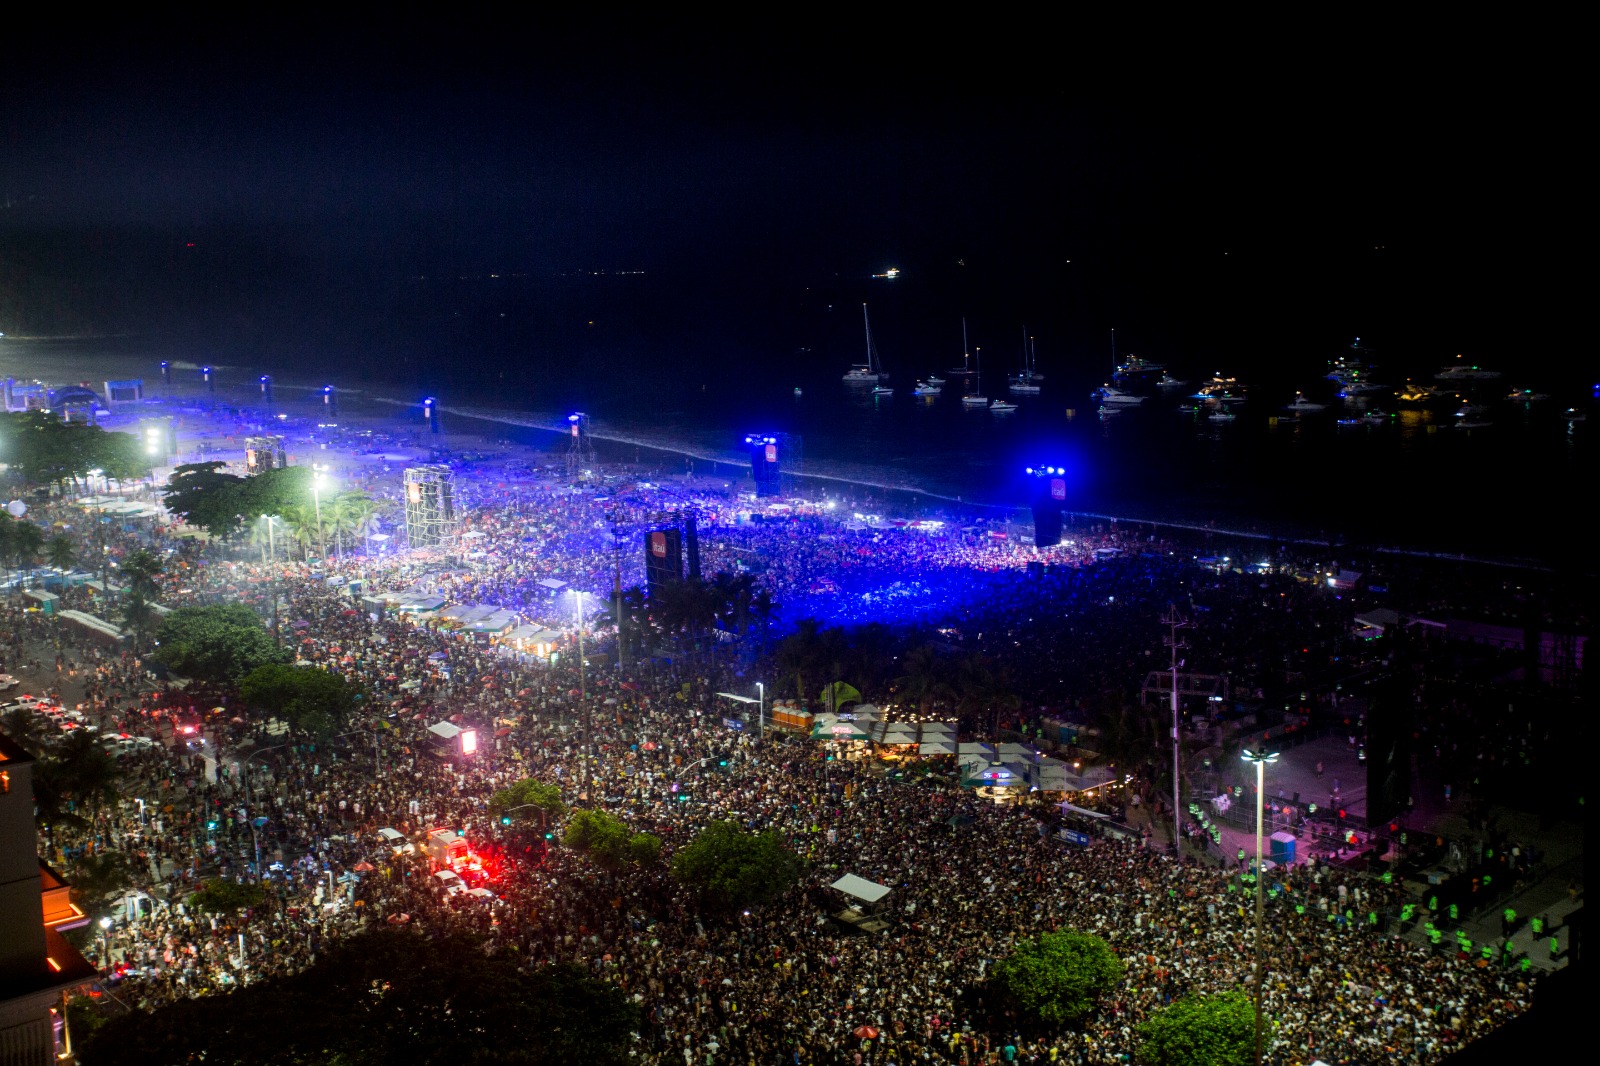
[54, 965]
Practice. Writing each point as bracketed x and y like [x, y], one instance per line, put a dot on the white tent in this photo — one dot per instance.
[445, 730]
[935, 747]
[859, 887]
[941, 728]
[1009, 751]
[975, 747]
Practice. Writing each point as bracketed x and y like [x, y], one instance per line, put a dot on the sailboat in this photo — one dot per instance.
[966, 359]
[975, 398]
[869, 372]
[1026, 382]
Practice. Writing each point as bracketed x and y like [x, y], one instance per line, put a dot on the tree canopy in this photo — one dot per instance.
[220, 503]
[385, 997]
[1200, 1031]
[303, 696]
[222, 896]
[1056, 977]
[608, 841]
[47, 449]
[731, 868]
[219, 643]
[524, 799]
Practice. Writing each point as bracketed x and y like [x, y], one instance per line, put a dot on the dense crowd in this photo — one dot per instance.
[782, 983]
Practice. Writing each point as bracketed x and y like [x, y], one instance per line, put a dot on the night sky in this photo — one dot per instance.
[309, 190]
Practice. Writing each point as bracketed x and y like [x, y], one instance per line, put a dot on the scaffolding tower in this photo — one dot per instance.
[581, 461]
[430, 506]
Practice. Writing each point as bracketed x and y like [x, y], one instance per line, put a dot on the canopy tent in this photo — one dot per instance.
[1067, 808]
[838, 731]
[936, 748]
[550, 584]
[974, 747]
[418, 603]
[1009, 751]
[994, 775]
[860, 888]
[896, 736]
[497, 621]
[941, 728]
[445, 730]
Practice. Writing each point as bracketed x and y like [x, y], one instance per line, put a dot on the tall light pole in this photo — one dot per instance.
[583, 696]
[761, 693]
[272, 573]
[250, 793]
[1261, 759]
[318, 480]
[1175, 622]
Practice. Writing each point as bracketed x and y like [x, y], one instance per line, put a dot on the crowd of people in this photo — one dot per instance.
[783, 982]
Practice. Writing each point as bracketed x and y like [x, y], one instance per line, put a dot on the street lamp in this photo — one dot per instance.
[250, 791]
[105, 943]
[583, 695]
[318, 481]
[1260, 759]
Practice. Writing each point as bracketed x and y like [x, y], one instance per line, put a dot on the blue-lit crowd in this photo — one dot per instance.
[783, 983]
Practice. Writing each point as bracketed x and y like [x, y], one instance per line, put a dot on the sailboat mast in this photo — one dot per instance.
[1113, 351]
[966, 353]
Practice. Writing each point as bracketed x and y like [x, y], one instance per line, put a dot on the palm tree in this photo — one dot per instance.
[26, 541]
[141, 570]
[139, 617]
[351, 513]
[799, 655]
[924, 682]
[29, 730]
[89, 774]
[60, 553]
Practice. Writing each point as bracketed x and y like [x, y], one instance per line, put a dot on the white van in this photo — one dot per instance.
[450, 883]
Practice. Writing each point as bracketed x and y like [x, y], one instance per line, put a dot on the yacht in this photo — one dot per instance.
[1375, 417]
[882, 390]
[1134, 367]
[869, 372]
[1221, 416]
[1527, 396]
[1023, 386]
[1001, 407]
[1411, 392]
[1030, 362]
[1574, 415]
[1224, 390]
[1112, 396]
[1465, 372]
[1169, 382]
[927, 388]
[934, 381]
[1303, 404]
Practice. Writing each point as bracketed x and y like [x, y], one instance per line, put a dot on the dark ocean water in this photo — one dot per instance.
[661, 375]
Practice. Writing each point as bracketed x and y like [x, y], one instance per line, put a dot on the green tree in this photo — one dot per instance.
[86, 775]
[385, 997]
[222, 896]
[27, 729]
[303, 696]
[220, 643]
[525, 799]
[731, 868]
[94, 877]
[1056, 978]
[141, 572]
[207, 497]
[601, 836]
[139, 617]
[60, 552]
[1200, 1031]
